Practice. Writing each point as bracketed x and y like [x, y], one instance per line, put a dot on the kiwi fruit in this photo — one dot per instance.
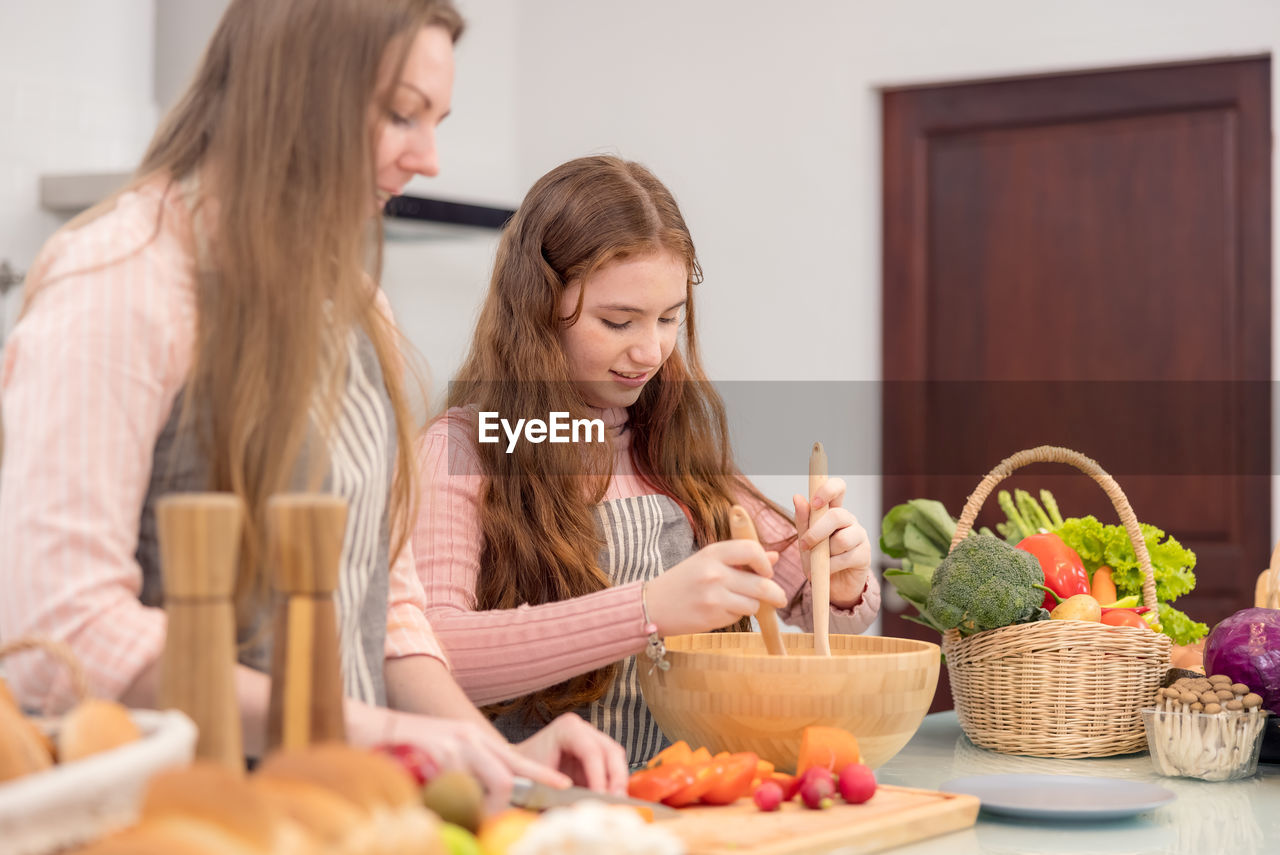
[456, 797]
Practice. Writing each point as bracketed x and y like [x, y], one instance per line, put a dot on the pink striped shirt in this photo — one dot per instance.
[501, 654]
[89, 378]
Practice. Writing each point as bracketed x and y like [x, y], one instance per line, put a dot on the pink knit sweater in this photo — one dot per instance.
[502, 654]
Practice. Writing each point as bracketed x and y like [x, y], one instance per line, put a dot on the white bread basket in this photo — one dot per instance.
[80, 801]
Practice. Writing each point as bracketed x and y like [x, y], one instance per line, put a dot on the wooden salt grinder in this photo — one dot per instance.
[199, 535]
[304, 548]
[819, 557]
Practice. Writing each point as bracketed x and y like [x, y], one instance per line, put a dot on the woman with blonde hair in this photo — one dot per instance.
[549, 566]
[215, 326]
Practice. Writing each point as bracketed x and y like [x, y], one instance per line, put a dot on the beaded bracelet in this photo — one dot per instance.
[654, 649]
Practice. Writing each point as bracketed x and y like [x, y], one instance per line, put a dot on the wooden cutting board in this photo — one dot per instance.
[894, 816]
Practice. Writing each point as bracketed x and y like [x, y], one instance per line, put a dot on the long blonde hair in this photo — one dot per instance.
[540, 542]
[276, 124]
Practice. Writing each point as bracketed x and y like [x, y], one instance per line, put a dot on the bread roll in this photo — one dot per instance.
[23, 749]
[336, 823]
[6, 696]
[207, 801]
[171, 837]
[92, 726]
[374, 784]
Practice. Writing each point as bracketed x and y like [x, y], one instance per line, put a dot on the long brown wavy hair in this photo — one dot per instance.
[540, 542]
[277, 126]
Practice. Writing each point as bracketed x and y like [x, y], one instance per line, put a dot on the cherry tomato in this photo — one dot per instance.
[1124, 617]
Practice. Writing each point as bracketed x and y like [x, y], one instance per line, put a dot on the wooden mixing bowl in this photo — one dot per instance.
[725, 692]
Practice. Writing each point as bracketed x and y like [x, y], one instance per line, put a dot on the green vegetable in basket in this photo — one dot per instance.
[985, 584]
[919, 532]
[1171, 563]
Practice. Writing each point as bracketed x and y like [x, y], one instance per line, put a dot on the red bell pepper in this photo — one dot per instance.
[1064, 572]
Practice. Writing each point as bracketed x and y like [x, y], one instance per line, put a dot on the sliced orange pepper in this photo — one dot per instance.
[733, 781]
[655, 784]
[829, 747]
[701, 755]
[704, 778]
[678, 752]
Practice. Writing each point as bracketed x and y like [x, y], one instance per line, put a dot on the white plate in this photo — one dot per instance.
[1061, 796]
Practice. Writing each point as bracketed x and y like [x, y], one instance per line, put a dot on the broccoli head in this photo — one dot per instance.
[984, 583]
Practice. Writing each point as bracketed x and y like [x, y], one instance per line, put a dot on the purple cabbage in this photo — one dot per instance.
[1246, 647]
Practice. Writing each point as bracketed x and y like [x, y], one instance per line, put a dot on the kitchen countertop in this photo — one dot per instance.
[1238, 817]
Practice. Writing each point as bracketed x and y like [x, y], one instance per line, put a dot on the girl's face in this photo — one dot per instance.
[631, 316]
[420, 99]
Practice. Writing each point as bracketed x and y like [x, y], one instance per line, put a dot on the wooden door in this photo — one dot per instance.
[1084, 260]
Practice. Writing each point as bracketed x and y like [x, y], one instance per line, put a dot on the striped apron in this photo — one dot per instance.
[643, 536]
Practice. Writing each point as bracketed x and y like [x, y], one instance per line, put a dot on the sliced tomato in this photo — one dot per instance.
[734, 781]
[656, 784]
[678, 752]
[704, 778]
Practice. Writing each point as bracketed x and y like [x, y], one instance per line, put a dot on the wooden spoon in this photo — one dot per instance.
[819, 557]
[741, 528]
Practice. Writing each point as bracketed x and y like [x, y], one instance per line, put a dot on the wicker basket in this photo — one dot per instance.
[1057, 688]
[76, 802]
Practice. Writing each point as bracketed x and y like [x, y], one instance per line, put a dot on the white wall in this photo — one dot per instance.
[75, 96]
[762, 117]
[436, 286]
[764, 120]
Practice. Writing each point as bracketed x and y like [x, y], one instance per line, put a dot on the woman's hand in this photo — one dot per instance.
[850, 546]
[477, 748]
[577, 749]
[714, 587]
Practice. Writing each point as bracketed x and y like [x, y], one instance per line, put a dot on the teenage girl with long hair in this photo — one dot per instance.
[549, 566]
[216, 326]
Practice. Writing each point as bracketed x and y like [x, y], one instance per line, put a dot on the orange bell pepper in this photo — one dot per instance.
[733, 781]
[678, 753]
[659, 782]
[704, 778]
[829, 747]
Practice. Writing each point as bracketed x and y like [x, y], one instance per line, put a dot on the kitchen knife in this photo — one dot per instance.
[535, 796]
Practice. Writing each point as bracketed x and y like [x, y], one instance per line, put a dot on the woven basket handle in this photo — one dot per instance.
[1055, 454]
[59, 651]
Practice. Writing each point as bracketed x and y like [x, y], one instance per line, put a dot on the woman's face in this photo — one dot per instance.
[420, 99]
[631, 315]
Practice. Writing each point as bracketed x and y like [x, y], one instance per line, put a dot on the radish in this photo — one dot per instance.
[768, 796]
[816, 789]
[857, 783]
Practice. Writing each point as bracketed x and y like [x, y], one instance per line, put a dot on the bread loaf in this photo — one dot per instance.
[92, 726]
[374, 784]
[23, 749]
[207, 802]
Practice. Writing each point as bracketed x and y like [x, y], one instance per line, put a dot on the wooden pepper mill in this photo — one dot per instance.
[304, 549]
[199, 536]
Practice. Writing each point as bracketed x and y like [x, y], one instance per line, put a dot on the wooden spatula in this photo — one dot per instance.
[199, 535]
[819, 557]
[304, 536]
[741, 527]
